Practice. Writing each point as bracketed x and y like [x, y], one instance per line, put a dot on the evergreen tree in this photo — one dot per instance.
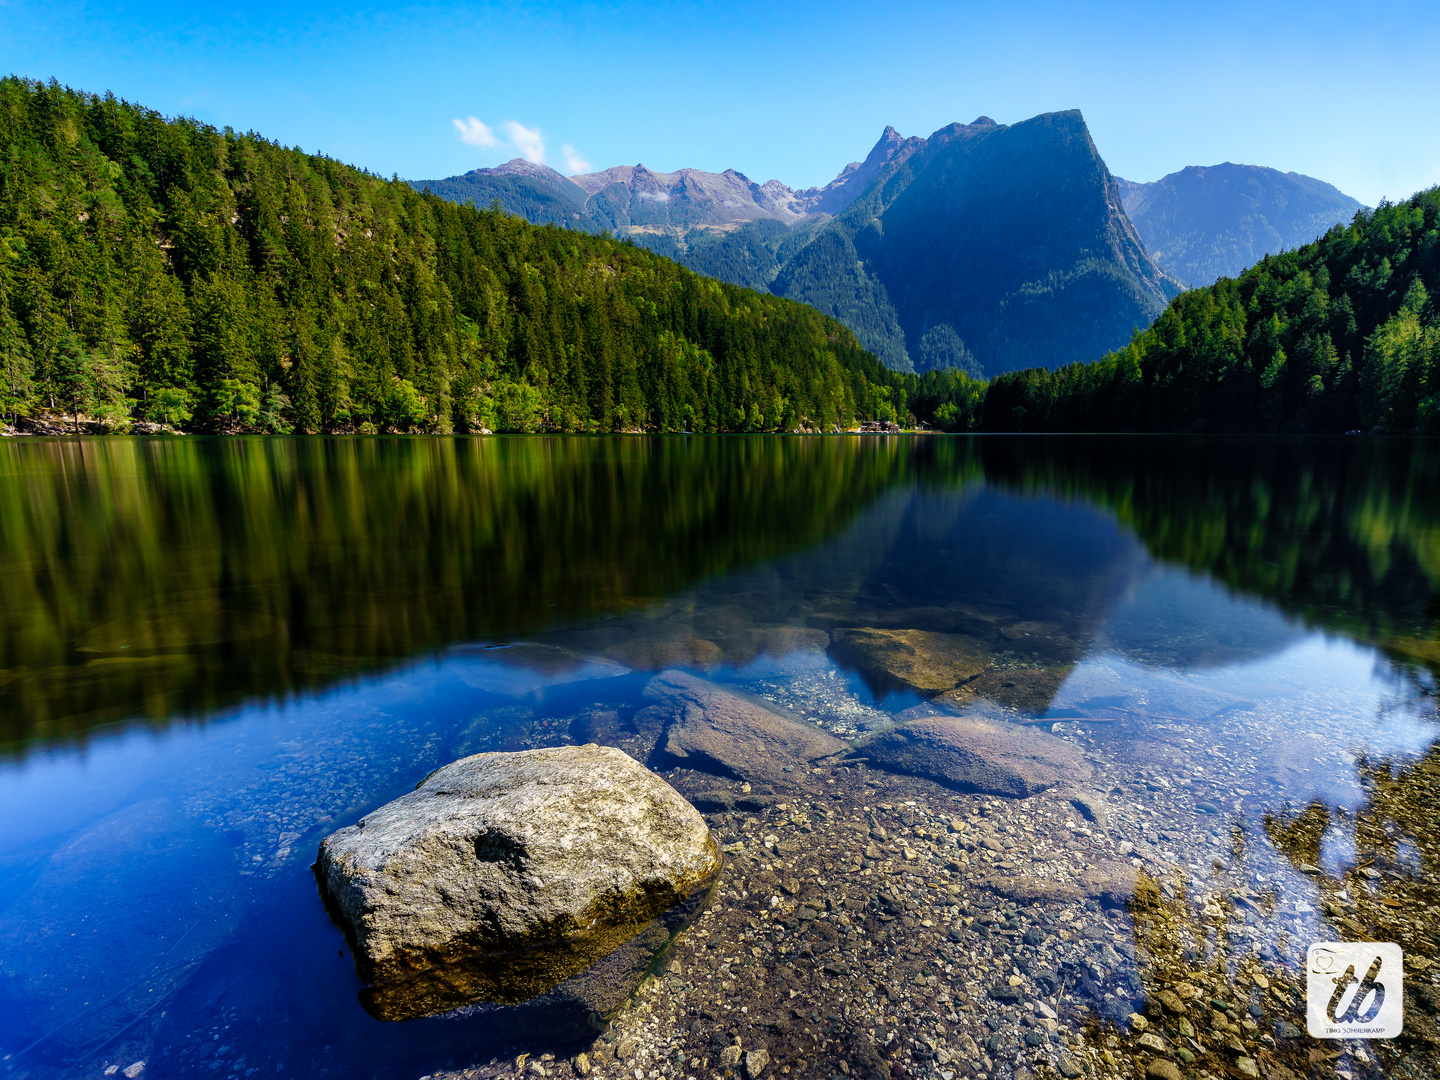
[163, 268]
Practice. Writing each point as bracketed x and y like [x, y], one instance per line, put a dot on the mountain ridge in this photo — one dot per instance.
[617, 197]
[1205, 222]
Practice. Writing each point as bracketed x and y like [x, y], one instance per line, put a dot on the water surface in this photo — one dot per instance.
[214, 652]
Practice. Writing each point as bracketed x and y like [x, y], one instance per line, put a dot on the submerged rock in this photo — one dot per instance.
[503, 875]
[910, 659]
[973, 753]
[665, 644]
[1030, 690]
[711, 728]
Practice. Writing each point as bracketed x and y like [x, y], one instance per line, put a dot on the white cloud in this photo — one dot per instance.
[474, 133]
[528, 141]
[574, 163]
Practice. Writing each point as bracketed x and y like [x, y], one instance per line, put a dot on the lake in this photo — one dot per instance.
[215, 652]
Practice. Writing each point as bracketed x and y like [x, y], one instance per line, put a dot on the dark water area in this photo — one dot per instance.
[214, 652]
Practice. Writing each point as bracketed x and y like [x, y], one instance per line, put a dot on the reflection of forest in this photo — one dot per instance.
[163, 577]
[1344, 533]
[155, 577]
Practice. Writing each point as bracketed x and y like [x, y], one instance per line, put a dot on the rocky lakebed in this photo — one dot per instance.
[984, 884]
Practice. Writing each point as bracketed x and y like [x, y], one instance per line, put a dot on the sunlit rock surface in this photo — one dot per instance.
[503, 875]
[977, 754]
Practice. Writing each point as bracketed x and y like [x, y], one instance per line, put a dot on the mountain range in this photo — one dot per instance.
[1204, 223]
[985, 247]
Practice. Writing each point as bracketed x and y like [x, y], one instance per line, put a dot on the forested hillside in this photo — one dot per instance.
[163, 270]
[1337, 335]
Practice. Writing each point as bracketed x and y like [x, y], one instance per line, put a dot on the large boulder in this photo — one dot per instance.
[977, 753]
[710, 728]
[910, 659]
[503, 875]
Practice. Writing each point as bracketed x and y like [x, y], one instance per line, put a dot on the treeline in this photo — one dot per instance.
[1341, 334]
[162, 270]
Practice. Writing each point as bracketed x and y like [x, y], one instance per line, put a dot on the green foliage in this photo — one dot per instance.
[949, 399]
[15, 370]
[272, 415]
[259, 288]
[169, 405]
[235, 403]
[1336, 335]
[517, 407]
[407, 407]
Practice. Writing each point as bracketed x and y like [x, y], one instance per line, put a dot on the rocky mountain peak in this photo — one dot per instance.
[522, 167]
[995, 247]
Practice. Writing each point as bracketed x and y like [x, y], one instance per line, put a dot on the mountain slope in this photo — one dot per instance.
[537, 193]
[990, 248]
[632, 197]
[162, 269]
[1205, 223]
[1341, 333]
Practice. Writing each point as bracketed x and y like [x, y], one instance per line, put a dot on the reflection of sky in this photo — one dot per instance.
[136, 867]
[1313, 688]
[1250, 737]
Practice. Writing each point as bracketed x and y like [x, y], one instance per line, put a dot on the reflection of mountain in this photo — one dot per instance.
[951, 595]
[1183, 621]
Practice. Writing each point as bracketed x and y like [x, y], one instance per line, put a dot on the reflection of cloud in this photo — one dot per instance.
[528, 141]
[574, 163]
[474, 133]
[655, 196]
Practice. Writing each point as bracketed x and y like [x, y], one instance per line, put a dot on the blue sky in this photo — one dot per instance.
[789, 91]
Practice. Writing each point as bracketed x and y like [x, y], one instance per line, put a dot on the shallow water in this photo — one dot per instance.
[215, 652]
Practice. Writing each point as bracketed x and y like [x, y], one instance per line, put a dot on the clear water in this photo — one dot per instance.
[215, 652]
